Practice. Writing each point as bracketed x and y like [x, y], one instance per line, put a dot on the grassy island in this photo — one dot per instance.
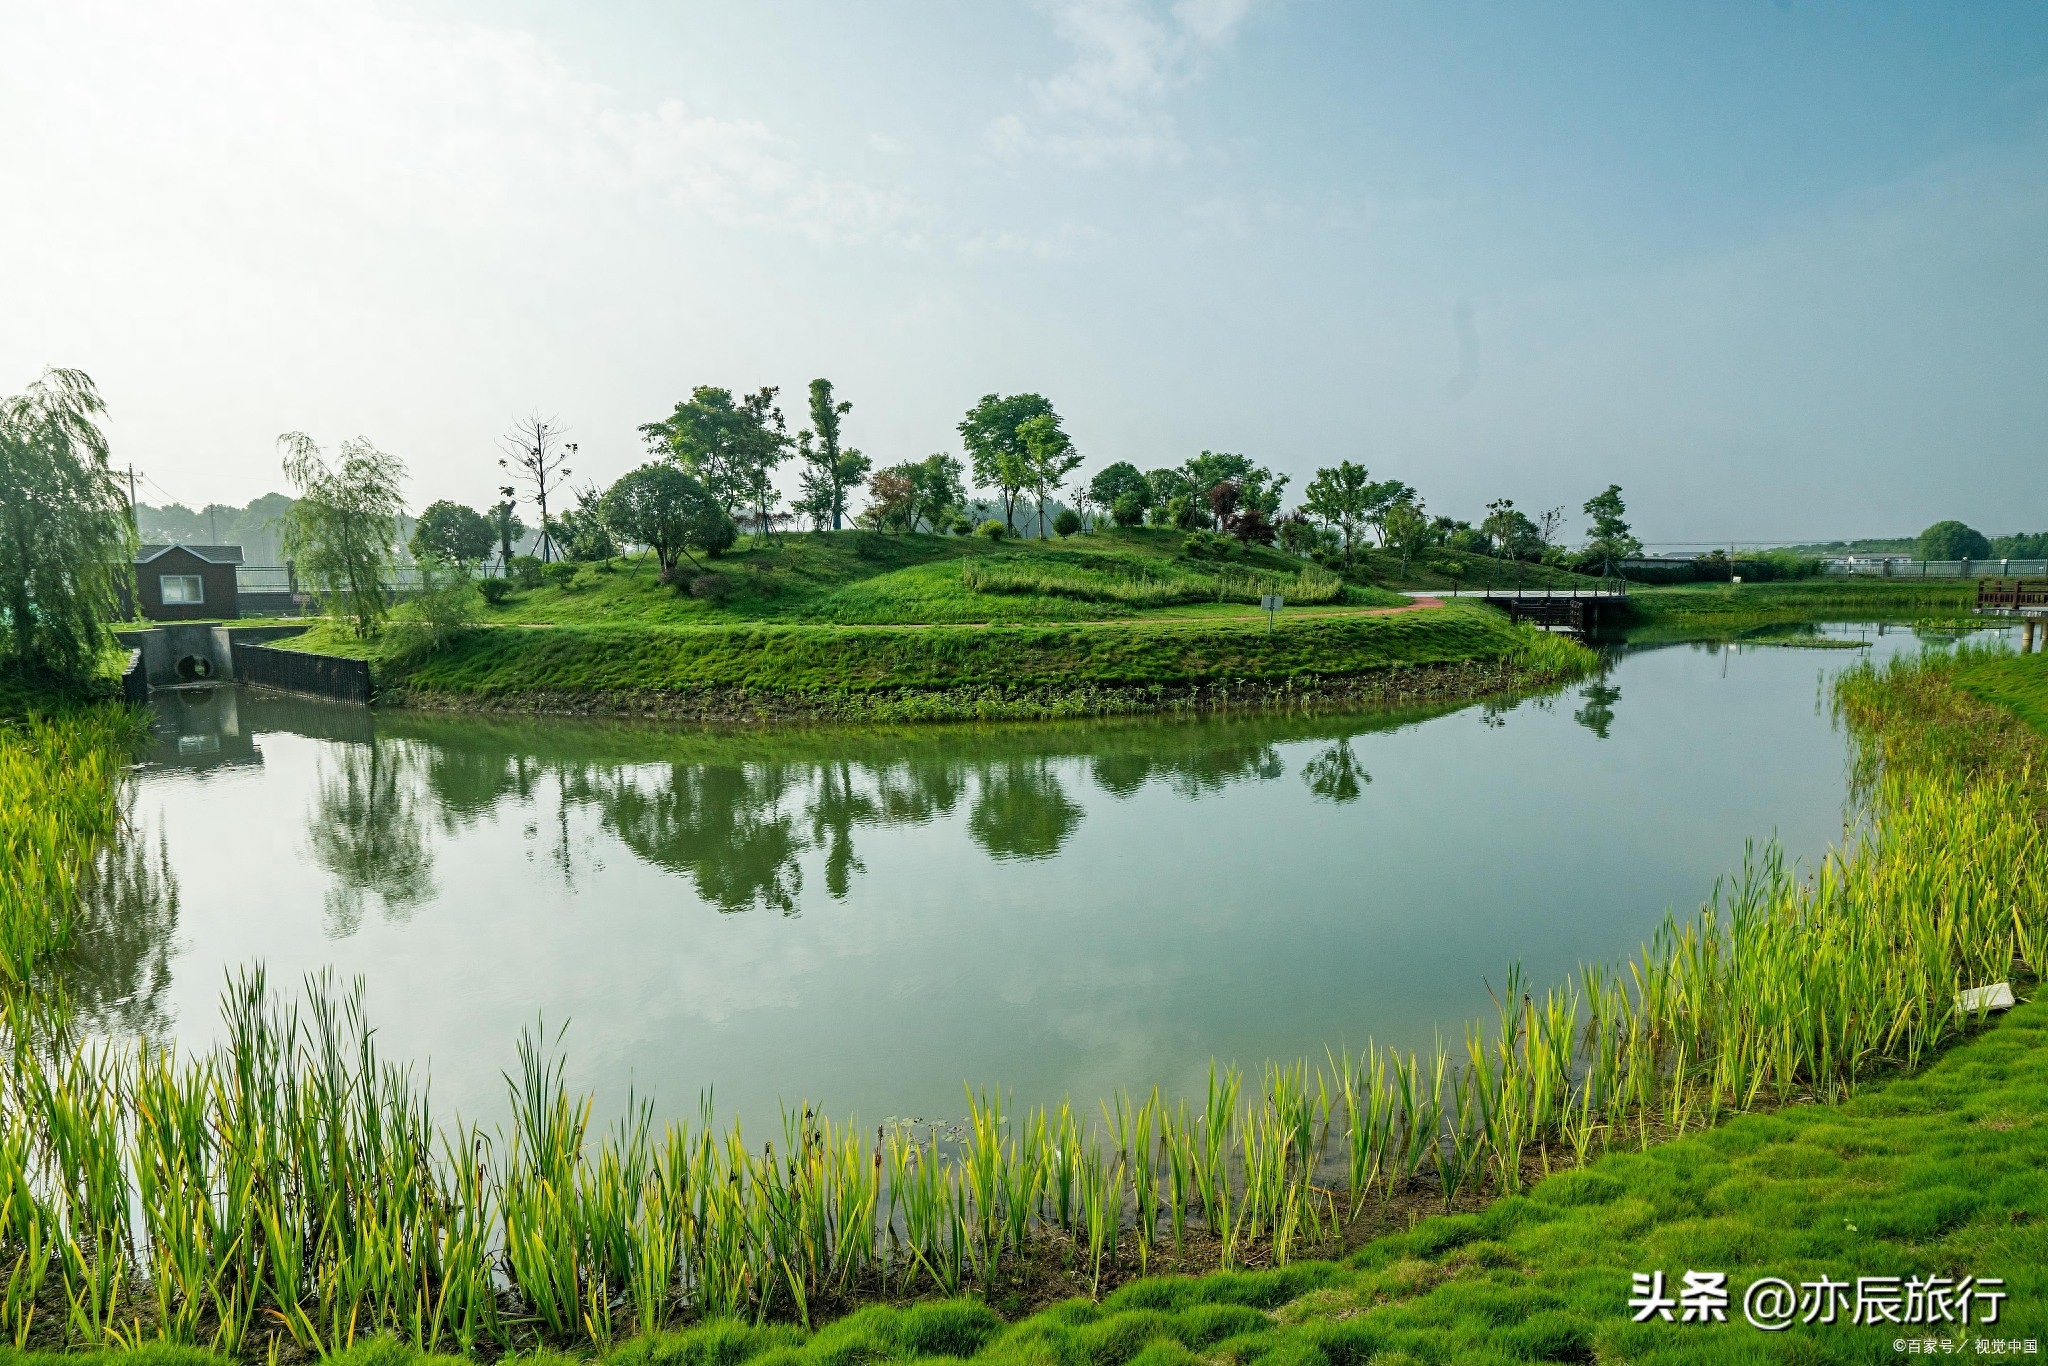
[865, 626]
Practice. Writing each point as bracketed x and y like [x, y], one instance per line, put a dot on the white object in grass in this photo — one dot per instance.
[1977, 1000]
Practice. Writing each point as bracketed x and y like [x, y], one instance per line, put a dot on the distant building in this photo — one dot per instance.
[187, 582]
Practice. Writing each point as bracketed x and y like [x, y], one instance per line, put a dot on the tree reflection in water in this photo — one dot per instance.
[1598, 713]
[118, 969]
[738, 816]
[1335, 775]
[722, 825]
[1021, 811]
[367, 830]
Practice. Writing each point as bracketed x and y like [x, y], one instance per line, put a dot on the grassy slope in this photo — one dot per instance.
[2018, 683]
[1942, 1173]
[854, 615]
[854, 660]
[857, 578]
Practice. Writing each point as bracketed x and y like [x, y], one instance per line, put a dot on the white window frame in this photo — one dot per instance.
[195, 583]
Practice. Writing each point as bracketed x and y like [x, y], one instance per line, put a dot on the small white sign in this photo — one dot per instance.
[1976, 1000]
[1272, 602]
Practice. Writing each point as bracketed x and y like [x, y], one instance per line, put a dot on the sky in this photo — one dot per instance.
[1775, 267]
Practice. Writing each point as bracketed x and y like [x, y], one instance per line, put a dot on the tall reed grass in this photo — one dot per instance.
[293, 1182]
[1164, 587]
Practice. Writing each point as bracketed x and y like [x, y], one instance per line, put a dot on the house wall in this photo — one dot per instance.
[218, 586]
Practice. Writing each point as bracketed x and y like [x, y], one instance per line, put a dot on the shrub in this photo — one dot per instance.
[443, 611]
[1067, 523]
[1128, 510]
[713, 588]
[526, 571]
[495, 591]
[560, 574]
[1207, 545]
[991, 530]
[962, 526]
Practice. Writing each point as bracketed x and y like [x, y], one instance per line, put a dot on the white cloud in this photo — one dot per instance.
[1130, 57]
[274, 110]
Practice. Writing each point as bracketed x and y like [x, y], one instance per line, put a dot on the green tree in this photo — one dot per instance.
[507, 527]
[1407, 529]
[582, 531]
[998, 449]
[452, 534]
[344, 526]
[1258, 488]
[830, 473]
[668, 511]
[1610, 539]
[1122, 491]
[69, 543]
[892, 499]
[1505, 527]
[1386, 493]
[1341, 498]
[1052, 458]
[1953, 541]
[764, 444]
[936, 489]
[729, 446]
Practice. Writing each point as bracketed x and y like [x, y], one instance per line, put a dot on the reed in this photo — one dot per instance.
[61, 804]
[293, 1184]
[1143, 587]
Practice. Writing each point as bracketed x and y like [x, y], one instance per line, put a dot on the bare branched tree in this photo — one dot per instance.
[537, 456]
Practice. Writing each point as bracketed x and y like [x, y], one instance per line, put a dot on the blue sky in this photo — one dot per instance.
[1777, 269]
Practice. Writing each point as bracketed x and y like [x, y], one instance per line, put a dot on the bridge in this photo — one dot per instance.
[1575, 609]
[2025, 599]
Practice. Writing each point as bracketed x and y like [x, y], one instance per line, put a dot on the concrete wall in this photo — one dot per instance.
[341, 680]
[170, 652]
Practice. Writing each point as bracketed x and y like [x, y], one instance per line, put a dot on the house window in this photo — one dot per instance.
[182, 590]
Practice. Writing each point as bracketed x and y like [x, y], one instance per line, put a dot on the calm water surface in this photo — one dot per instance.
[868, 918]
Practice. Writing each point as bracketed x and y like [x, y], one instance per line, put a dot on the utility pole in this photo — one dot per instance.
[134, 518]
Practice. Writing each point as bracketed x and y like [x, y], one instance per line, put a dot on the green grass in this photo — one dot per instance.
[868, 578]
[2018, 683]
[1722, 606]
[822, 661]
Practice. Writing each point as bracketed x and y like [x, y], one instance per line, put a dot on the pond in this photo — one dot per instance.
[869, 918]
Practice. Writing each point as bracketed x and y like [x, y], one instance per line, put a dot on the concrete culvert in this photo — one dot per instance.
[195, 668]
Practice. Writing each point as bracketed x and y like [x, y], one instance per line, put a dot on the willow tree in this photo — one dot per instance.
[66, 541]
[344, 527]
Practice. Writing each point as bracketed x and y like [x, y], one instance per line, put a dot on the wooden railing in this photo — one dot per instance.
[2012, 595]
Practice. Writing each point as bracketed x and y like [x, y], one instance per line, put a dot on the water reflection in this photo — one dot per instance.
[1597, 715]
[120, 967]
[869, 917]
[723, 826]
[367, 829]
[1335, 775]
[1021, 811]
[743, 819]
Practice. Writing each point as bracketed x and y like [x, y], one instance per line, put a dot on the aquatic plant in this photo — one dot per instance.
[60, 807]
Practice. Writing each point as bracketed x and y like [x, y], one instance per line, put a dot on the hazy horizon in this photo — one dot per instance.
[1775, 268]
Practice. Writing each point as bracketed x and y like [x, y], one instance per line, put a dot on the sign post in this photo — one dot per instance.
[1271, 603]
